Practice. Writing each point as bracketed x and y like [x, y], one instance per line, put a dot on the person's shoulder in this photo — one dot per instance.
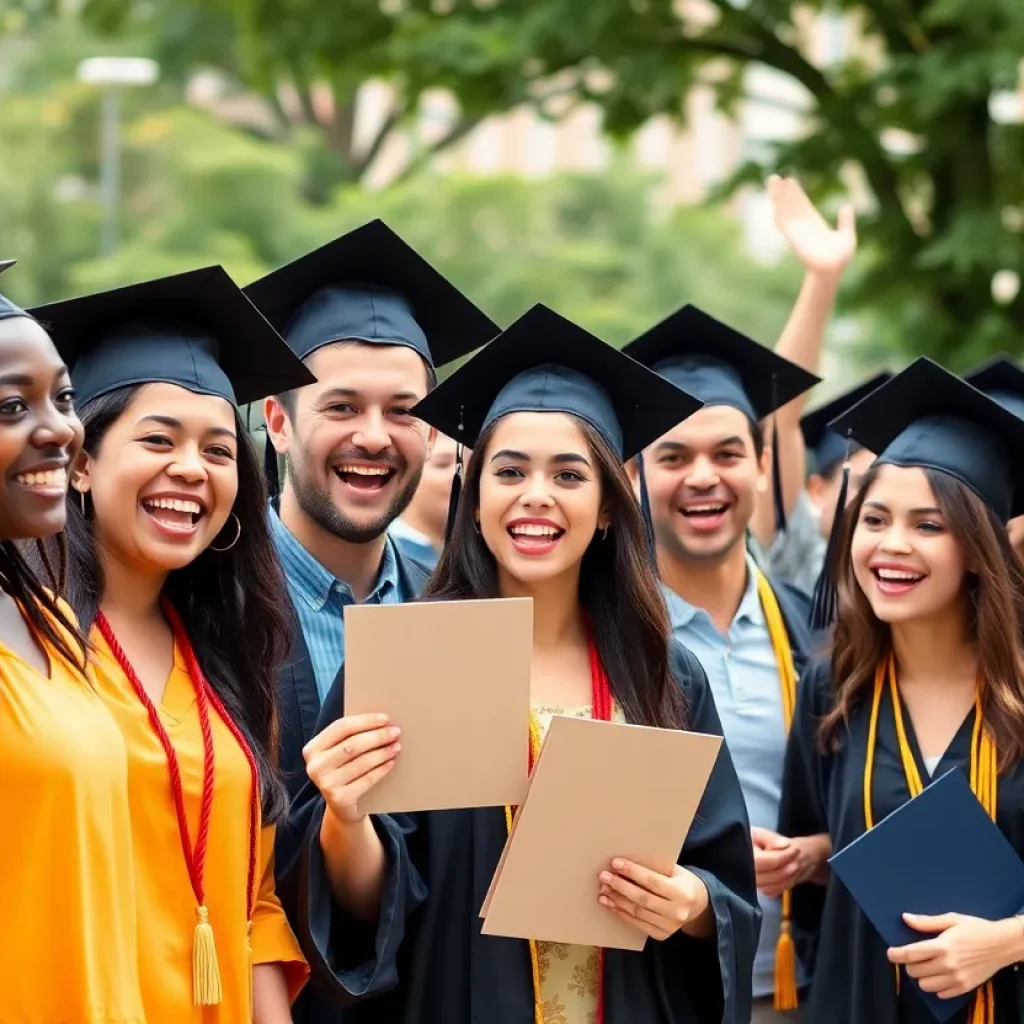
[414, 567]
[816, 688]
[686, 669]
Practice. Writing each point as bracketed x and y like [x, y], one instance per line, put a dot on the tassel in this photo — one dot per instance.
[785, 968]
[454, 495]
[206, 988]
[270, 467]
[825, 600]
[645, 509]
[780, 504]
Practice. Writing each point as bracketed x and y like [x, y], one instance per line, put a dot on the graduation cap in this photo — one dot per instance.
[371, 286]
[829, 448]
[721, 366]
[927, 417]
[1001, 378]
[545, 363]
[196, 330]
[7, 308]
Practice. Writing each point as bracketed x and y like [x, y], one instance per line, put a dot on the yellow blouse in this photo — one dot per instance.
[167, 908]
[67, 902]
[569, 975]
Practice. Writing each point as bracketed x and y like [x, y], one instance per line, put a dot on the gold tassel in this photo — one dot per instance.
[206, 988]
[786, 997]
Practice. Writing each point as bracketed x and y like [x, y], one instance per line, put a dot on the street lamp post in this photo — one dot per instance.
[112, 74]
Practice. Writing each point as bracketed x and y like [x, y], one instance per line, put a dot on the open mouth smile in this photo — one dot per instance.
[894, 582]
[534, 536]
[174, 516]
[48, 483]
[705, 516]
[364, 477]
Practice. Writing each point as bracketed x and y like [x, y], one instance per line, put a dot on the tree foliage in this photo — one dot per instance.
[945, 215]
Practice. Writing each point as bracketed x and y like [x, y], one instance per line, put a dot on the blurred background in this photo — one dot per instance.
[606, 157]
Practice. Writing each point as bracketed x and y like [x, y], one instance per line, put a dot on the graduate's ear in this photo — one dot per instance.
[816, 486]
[431, 441]
[277, 415]
[80, 473]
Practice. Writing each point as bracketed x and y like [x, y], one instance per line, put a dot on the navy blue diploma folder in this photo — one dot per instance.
[940, 853]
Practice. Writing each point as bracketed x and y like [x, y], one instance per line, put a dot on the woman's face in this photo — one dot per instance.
[164, 479]
[905, 558]
[40, 433]
[540, 496]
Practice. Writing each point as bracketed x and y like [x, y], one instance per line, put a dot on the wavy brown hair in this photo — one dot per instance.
[995, 607]
[619, 589]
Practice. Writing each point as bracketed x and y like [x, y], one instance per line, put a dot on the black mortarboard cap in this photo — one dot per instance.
[927, 417]
[196, 330]
[721, 366]
[7, 308]
[371, 286]
[545, 363]
[827, 447]
[1001, 378]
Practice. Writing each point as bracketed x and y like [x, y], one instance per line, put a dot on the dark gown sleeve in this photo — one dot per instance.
[803, 809]
[714, 976]
[349, 959]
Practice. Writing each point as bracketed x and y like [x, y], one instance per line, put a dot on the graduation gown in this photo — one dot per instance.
[853, 981]
[425, 959]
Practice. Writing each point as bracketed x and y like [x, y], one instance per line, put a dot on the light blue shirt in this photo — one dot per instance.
[744, 679]
[415, 543]
[320, 599]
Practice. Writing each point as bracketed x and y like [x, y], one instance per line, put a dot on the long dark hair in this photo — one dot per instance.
[619, 590]
[995, 617]
[45, 616]
[232, 603]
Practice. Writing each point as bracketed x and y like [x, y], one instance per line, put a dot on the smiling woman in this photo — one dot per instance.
[926, 674]
[64, 800]
[172, 568]
[547, 512]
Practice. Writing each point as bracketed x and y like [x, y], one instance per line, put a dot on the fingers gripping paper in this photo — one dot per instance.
[600, 790]
[455, 677]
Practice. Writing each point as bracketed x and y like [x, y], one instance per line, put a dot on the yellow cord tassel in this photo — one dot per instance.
[786, 997]
[206, 988]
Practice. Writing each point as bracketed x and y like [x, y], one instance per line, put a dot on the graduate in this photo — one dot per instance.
[371, 318]
[67, 944]
[173, 572]
[926, 673]
[703, 479]
[387, 906]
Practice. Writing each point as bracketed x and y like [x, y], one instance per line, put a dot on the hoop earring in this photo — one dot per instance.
[238, 535]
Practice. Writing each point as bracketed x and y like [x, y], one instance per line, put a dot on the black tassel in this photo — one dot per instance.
[825, 600]
[270, 466]
[454, 495]
[780, 504]
[645, 510]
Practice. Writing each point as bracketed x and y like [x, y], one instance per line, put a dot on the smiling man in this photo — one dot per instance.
[371, 319]
[704, 479]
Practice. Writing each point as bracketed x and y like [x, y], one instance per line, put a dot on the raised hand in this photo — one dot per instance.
[821, 248]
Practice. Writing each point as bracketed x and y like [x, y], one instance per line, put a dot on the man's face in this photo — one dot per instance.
[824, 490]
[355, 454]
[703, 478]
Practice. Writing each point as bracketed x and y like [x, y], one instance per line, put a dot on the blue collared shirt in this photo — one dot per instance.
[744, 679]
[320, 599]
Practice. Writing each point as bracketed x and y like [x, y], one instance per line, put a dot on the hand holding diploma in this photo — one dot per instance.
[657, 904]
[349, 758]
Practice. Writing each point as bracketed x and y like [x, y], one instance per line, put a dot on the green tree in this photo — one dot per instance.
[946, 216]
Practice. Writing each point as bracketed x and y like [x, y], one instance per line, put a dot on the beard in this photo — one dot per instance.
[316, 503]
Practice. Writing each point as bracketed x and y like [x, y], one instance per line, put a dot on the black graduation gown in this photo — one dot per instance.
[853, 981]
[426, 961]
